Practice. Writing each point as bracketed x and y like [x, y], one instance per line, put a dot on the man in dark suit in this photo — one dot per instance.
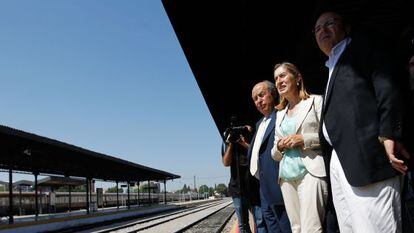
[262, 166]
[361, 129]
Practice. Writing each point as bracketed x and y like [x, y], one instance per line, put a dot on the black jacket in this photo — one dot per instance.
[363, 102]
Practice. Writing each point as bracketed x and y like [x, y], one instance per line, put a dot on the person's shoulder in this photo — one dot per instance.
[367, 38]
[279, 113]
[316, 98]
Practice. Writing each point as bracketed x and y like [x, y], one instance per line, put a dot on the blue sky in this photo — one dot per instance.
[109, 76]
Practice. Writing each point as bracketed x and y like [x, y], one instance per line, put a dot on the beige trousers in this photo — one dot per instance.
[305, 202]
[374, 208]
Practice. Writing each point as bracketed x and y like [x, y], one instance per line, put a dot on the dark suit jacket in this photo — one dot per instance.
[270, 193]
[362, 104]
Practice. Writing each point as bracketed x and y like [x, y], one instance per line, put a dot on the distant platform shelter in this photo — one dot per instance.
[38, 155]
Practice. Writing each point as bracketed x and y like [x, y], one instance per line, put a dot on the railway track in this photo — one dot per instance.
[212, 223]
[210, 217]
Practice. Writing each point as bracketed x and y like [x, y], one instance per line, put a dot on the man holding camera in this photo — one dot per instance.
[262, 166]
[245, 194]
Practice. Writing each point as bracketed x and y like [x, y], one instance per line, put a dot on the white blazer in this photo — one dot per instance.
[307, 124]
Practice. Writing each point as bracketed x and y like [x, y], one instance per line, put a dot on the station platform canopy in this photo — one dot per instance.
[22, 183]
[231, 45]
[29, 152]
[57, 181]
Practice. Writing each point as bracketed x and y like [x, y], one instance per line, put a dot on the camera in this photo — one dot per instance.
[233, 133]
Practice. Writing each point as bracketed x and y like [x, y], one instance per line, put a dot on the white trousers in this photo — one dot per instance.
[374, 208]
[305, 202]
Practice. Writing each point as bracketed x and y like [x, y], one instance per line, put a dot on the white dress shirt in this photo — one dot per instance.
[334, 56]
[254, 161]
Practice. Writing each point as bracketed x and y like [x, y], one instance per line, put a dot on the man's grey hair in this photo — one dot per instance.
[270, 87]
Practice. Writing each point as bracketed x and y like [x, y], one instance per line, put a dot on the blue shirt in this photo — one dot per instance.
[291, 165]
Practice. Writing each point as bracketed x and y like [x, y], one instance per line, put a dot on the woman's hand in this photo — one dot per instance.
[281, 144]
[291, 141]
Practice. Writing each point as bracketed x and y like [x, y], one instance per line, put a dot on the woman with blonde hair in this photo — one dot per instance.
[302, 175]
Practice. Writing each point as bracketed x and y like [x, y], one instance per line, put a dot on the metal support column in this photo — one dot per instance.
[20, 200]
[70, 198]
[149, 193]
[87, 195]
[40, 202]
[36, 197]
[91, 190]
[129, 201]
[138, 193]
[117, 195]
[165, 191]
[97, 199]
[11, 219]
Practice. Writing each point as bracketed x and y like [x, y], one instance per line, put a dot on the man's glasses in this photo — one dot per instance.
[328, 24]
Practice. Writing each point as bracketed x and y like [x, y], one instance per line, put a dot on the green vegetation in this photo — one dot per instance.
[80, 188]
[221, 189]
[113, 190]
[204, 189]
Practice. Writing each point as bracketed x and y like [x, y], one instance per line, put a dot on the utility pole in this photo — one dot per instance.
[194, 183]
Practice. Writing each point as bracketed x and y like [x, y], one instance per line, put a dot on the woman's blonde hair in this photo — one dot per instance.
[303, 94]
